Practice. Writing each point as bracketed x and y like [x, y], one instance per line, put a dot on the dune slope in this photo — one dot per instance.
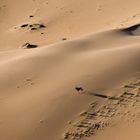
[38, 95]
[86, 44]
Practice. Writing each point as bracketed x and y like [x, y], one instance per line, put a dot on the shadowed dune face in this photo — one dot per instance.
[133, 30]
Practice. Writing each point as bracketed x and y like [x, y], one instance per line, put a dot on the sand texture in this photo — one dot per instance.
[69, 69]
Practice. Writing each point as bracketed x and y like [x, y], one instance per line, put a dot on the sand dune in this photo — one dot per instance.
[63, 19]
[93, 45]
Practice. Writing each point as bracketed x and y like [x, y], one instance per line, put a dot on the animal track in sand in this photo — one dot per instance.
[27, 82]
[97, 117]
[29, 46]
[35, 26]
[128, 19]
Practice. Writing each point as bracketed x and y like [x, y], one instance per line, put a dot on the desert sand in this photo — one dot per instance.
[69, 69]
